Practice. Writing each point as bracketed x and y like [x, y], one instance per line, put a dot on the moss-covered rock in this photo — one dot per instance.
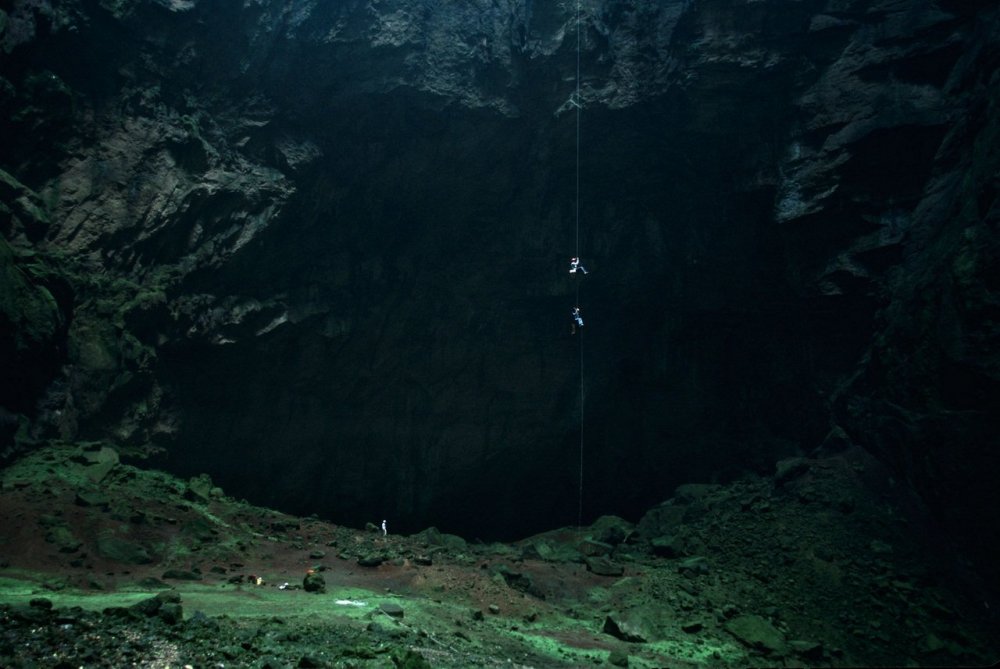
[757, 633]
[122, 551]
[32, 333]
[22, 211]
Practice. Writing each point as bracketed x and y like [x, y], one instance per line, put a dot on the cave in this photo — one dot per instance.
[311, 261]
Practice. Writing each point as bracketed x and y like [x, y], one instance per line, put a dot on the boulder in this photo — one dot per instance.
[314, 582]
[391, 609]
[432, 536]
[623, 629]
[371, 560]
[603, 566]
[122, 551]
[91, 498]
[757, 633]
[788, 469]
[199, 488]
[693, 566]
[667, 546]
[100, 463]
[64, 539]
[611, 530]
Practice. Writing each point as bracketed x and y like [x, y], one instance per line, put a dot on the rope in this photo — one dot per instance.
[579, 512]
[577, 105]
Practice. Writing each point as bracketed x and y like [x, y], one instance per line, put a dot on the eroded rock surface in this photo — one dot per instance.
[319, 249]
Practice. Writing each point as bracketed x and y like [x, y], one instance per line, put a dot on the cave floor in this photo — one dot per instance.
[105, 564]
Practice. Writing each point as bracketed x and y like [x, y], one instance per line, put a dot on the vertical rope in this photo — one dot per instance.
[578, 106]
[579, 511]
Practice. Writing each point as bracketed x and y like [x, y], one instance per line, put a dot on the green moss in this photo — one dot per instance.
[30, 309]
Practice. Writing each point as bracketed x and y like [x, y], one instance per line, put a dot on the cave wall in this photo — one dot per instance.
[320, 251]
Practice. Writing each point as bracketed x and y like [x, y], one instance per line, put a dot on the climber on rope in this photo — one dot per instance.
[577, 319]
[574, 264]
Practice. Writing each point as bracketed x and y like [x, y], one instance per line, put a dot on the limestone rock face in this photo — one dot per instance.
[320, 250]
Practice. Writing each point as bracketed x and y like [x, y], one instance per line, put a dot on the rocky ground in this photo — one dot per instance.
[824, 564]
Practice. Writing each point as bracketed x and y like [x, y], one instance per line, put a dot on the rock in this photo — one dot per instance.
[63, 538]
[372, 560]
[669, 546]
[147, 607]
[171, 613]
[611, 530]
[434, 537]
[91, 498]
[40, 603]
[311, 662]
[100, 463]
[494, 609]
[692, 626]
[314, 582]
[789, 469]
[199, 489]
[122, 550]
[549, 551]
[622, 629]
[317, 555]
[603, 566]
[693, 566]
[592, 548]
[756, 632]
[391, 609]
[171, 596]
[661, 520]
[539, 550]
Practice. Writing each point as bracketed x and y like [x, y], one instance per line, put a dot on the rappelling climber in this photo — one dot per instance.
[574, 264]
[577, 318]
